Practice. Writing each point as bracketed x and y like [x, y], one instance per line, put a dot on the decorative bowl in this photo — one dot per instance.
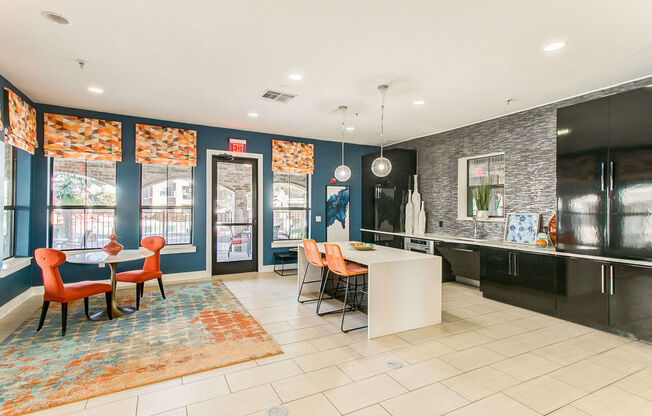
[363, 246]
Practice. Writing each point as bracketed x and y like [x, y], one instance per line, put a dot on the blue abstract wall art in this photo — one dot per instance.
[337, 213]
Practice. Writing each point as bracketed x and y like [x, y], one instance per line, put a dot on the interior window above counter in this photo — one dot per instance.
[474, 171]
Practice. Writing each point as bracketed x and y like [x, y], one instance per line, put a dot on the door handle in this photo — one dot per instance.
[611, 280]
[602, 280]
[611, 175]
[602, 176]
[509, 258]
[466, 250]
[515, 265]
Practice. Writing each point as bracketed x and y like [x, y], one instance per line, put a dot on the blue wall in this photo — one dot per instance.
[128, 179]
[16, 283]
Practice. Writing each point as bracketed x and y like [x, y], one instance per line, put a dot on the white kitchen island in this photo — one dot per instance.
[404, 287]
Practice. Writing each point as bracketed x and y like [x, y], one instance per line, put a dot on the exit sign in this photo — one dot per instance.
[237, 145]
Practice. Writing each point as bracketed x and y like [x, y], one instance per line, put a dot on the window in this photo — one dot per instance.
[290, 206]
[488, 169]
[82, 203]
[9, 187]
[166, 202]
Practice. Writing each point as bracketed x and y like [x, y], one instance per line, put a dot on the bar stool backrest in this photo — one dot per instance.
[312, 252]
[336, 263]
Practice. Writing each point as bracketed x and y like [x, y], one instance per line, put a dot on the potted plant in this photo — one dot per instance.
[482, 197]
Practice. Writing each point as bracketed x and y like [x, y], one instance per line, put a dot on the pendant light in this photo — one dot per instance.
[342, 172]
[381, 166]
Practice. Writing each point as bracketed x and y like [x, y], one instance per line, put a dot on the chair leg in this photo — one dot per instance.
[142, 290]
[344, 310]
[160, 286]
[86, 308]
[138, 295]
[305, 273]
[107, 295]
[64, 318]
[44, 311]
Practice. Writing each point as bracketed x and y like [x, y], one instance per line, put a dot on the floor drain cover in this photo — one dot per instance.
[277, 410]
[393, 364]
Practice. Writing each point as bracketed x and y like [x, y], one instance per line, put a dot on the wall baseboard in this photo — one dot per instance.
[467, 281]
[8, 307]
[270, 268]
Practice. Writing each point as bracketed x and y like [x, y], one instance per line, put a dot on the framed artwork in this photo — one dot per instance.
[522, 228]
[337, 213]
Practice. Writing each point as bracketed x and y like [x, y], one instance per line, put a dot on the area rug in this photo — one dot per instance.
[200, 326]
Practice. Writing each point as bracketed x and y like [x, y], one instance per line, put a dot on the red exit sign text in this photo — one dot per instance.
[237, 145]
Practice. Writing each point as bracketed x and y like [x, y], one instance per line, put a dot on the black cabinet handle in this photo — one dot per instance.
[602, 176]
[611, 280]
[466, 250]
[515, 265]
[509, 259]
[602, 280]
[611, 175]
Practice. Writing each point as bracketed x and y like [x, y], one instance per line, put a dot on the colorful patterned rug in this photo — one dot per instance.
[199, 327]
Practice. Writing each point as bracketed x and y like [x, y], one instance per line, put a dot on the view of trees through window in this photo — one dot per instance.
[82, 203]
[491, 170]
[166, 202]
[290, 203]
[9, 184]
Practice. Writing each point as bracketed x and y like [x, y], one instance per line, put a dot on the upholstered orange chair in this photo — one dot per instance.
[55, 291]
[313, 256]
[151, 268]
[346, 272]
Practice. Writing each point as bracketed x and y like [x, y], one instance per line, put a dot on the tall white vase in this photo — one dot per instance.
[409, 214]
[416, 203]
[422, 220]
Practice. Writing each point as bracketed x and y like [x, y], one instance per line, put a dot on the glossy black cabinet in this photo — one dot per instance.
[458, 260]
[604, 179]
[383, 199]
[519, 278]
[630, 300]
[582, 291]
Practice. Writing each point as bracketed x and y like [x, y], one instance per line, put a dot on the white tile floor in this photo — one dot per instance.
[486, 358]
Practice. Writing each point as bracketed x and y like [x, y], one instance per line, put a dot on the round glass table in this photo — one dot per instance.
[100, 257]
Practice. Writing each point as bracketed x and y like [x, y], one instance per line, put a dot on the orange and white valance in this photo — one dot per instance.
[21, 132]
[157, 145]
[83, 138]
[293, 157]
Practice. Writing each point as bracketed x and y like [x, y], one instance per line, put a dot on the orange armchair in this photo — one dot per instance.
[55, 291]
[151, 268]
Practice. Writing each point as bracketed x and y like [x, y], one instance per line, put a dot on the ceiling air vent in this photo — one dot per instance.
[281, 97]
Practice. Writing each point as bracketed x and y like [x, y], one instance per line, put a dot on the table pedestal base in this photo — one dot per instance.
[116, 310]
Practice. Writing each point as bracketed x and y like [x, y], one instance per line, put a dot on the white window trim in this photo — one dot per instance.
[14, 264]
[462, 183]
[176, 249]
[285, 243]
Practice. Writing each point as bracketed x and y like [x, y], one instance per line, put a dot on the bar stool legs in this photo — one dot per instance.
[356, 303]
[324, 274]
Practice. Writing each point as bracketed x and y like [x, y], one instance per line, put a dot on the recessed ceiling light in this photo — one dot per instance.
[96, 90]
[252, 115]
[562, 132]
[419, 102]
[350, 128]
[555, 46]
[296, 77]
[56, 18]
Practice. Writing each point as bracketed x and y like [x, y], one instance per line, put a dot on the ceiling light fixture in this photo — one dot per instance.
[96, 90]
[555, 46]
[419, 102]
[296, 77]
[252, 115]
[342, 172]
[55, 18]
[350, 128]
[381, 166]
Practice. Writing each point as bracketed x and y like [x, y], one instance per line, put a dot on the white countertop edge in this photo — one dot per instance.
[514, 246]
[14, 264]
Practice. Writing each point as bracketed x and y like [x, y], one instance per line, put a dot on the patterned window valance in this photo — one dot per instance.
[157, 145]
[73, 137]
[292, 157]
[21, 131]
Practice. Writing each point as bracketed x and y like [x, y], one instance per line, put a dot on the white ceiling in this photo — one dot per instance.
[208, 61]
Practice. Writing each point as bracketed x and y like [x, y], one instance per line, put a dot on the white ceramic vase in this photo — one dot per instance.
[482, 215]
[422, 220]
[416, 203]
[409, 214]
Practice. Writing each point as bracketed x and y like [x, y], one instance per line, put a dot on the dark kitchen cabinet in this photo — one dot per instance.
[519, 278]
[459, 260]
[582, 291]
[630, 301]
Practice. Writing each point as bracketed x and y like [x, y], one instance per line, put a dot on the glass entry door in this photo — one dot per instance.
[235, 215]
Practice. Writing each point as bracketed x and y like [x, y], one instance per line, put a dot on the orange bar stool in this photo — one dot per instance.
[347, 272]
[151, 269]
[314, 258]
[55, 291]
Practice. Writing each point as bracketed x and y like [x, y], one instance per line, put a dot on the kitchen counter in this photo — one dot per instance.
[511, 246]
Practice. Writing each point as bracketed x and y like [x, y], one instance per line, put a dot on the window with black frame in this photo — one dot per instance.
[166, 202]
[9, 199]
[291, 206]
[82, 203]
[487, 170]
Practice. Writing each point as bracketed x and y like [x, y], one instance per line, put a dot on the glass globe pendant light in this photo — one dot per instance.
[381, 166]
[342, 172]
